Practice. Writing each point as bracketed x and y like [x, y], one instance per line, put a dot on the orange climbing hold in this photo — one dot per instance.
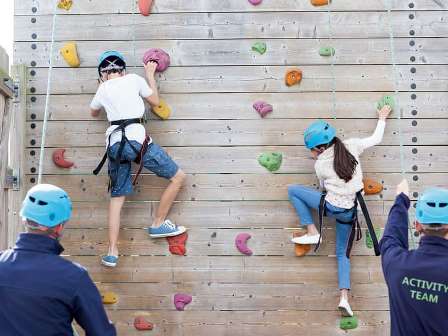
[300, 249]
[140, 323]
[177, 244]
[372, 187]
[59, 160]
[65, 4]
[109, 298]
[320, 2]
[293, 76]
[145, 7]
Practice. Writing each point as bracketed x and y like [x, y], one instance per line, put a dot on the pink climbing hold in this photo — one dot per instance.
[181, 300]
[255, 2]
[241, 243]
[159, 56]
[262, 108]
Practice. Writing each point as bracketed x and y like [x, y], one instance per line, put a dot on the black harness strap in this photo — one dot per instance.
[370, 227]
[322, 211]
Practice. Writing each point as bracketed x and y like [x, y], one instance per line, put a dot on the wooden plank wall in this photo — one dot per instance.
[216, 137]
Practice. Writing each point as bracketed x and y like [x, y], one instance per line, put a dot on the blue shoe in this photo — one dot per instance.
[109, 260]
[167, 229]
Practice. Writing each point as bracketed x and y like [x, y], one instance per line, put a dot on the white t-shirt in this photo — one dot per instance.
[121, 97]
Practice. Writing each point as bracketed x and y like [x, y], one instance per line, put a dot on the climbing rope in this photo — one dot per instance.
[47, 96]
[397, 103]
[332, 59]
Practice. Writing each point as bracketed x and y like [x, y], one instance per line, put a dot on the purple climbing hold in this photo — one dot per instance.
[181, 300]
[255, 2]
[159, 56]
[241, 243]
[262, 108]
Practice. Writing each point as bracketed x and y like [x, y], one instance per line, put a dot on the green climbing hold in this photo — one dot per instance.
[369, 242]
[347, 323]
[386, 100]
[259, 47]
[327, 51]
[271, 161]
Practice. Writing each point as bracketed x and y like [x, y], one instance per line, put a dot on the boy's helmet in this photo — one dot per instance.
[46, 205]
[111, 60]
[319, 133]
[432, 207]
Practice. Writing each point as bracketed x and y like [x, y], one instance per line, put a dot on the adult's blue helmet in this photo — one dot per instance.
[319, 133]
[432, 207]
[46, 205]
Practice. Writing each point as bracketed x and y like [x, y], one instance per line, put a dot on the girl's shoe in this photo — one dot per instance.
[307, 239]
[344, 308]
[167, 229]
[109, 260]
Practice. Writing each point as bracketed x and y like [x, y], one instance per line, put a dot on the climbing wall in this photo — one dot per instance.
[216, 136]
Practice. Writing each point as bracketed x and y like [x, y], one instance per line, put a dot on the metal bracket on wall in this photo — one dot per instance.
[12, 179]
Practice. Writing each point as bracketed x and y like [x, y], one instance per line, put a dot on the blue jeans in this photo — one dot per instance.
[304, 199]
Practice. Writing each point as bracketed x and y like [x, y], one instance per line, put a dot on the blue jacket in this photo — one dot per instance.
[41, 293]
[417, 279]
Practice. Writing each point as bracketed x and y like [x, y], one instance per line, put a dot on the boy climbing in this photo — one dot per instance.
[339, 172]
[418, 279]
[121, 95]
[41, 292]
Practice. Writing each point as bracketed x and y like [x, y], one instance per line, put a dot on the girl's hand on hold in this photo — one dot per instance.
[150, 68]
[384, 112]
[403, 187]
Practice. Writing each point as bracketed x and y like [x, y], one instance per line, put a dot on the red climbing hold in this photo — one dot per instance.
[140, 323]
[241, 243]
[177, 244]
[262, 108]
[181, 300]
[159, 56]
[255, 2]
[145, 7]
[59, 160]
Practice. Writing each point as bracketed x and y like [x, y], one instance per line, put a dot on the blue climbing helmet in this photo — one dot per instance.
[111, 60]
[319, 133]
[432, 207]
[46, 205]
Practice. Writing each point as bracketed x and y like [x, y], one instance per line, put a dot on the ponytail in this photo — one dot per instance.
[344, 162]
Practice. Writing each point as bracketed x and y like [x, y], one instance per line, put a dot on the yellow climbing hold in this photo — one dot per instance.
[70, 54]
[65, 4]
[109, 298]
[162, 110]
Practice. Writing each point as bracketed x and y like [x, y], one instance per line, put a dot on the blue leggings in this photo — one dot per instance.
[304, 199]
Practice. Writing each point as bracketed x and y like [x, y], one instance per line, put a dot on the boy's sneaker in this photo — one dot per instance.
[344, 308]
[307, 239]
[167, 229]
[109, 260]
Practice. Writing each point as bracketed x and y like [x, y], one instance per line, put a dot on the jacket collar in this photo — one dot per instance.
[326, 154]
[433, 244]
[38, 243]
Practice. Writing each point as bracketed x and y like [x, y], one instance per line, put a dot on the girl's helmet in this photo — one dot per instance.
[432, 207]
[319, 133]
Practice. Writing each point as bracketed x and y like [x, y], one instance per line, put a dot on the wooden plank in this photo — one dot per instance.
[257, 79]
[275, 132]
[230, 26]
[172, 6]
[238, 52]
[5, 121]
[225, 187]
[302, 105]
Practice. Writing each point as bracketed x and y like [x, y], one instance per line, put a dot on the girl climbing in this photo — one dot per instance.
[121, 95]
[339, 172]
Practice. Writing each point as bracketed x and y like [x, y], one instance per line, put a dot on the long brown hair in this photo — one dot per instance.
[344, 162]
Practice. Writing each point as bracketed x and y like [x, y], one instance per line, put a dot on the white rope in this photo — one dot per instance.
[397, 102]
[333, 55]
[47, 97]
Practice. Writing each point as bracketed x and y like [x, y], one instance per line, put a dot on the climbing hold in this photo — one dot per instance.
[372, 187]
[241, 243]
[320, 2]
[293, 76]
[177, 244]
[386, 100]
[140, 323]
[145, 7]
[255, 2]
[158, 56]
[59, 160]
[109, 298]
[369, 242]
[271, 161]
[181, 300]
[162, 110]
[262, 108]
[327, 51]
[259, 47]
[348, 323]
[70, 54]
[65, 4]
[301, 249]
